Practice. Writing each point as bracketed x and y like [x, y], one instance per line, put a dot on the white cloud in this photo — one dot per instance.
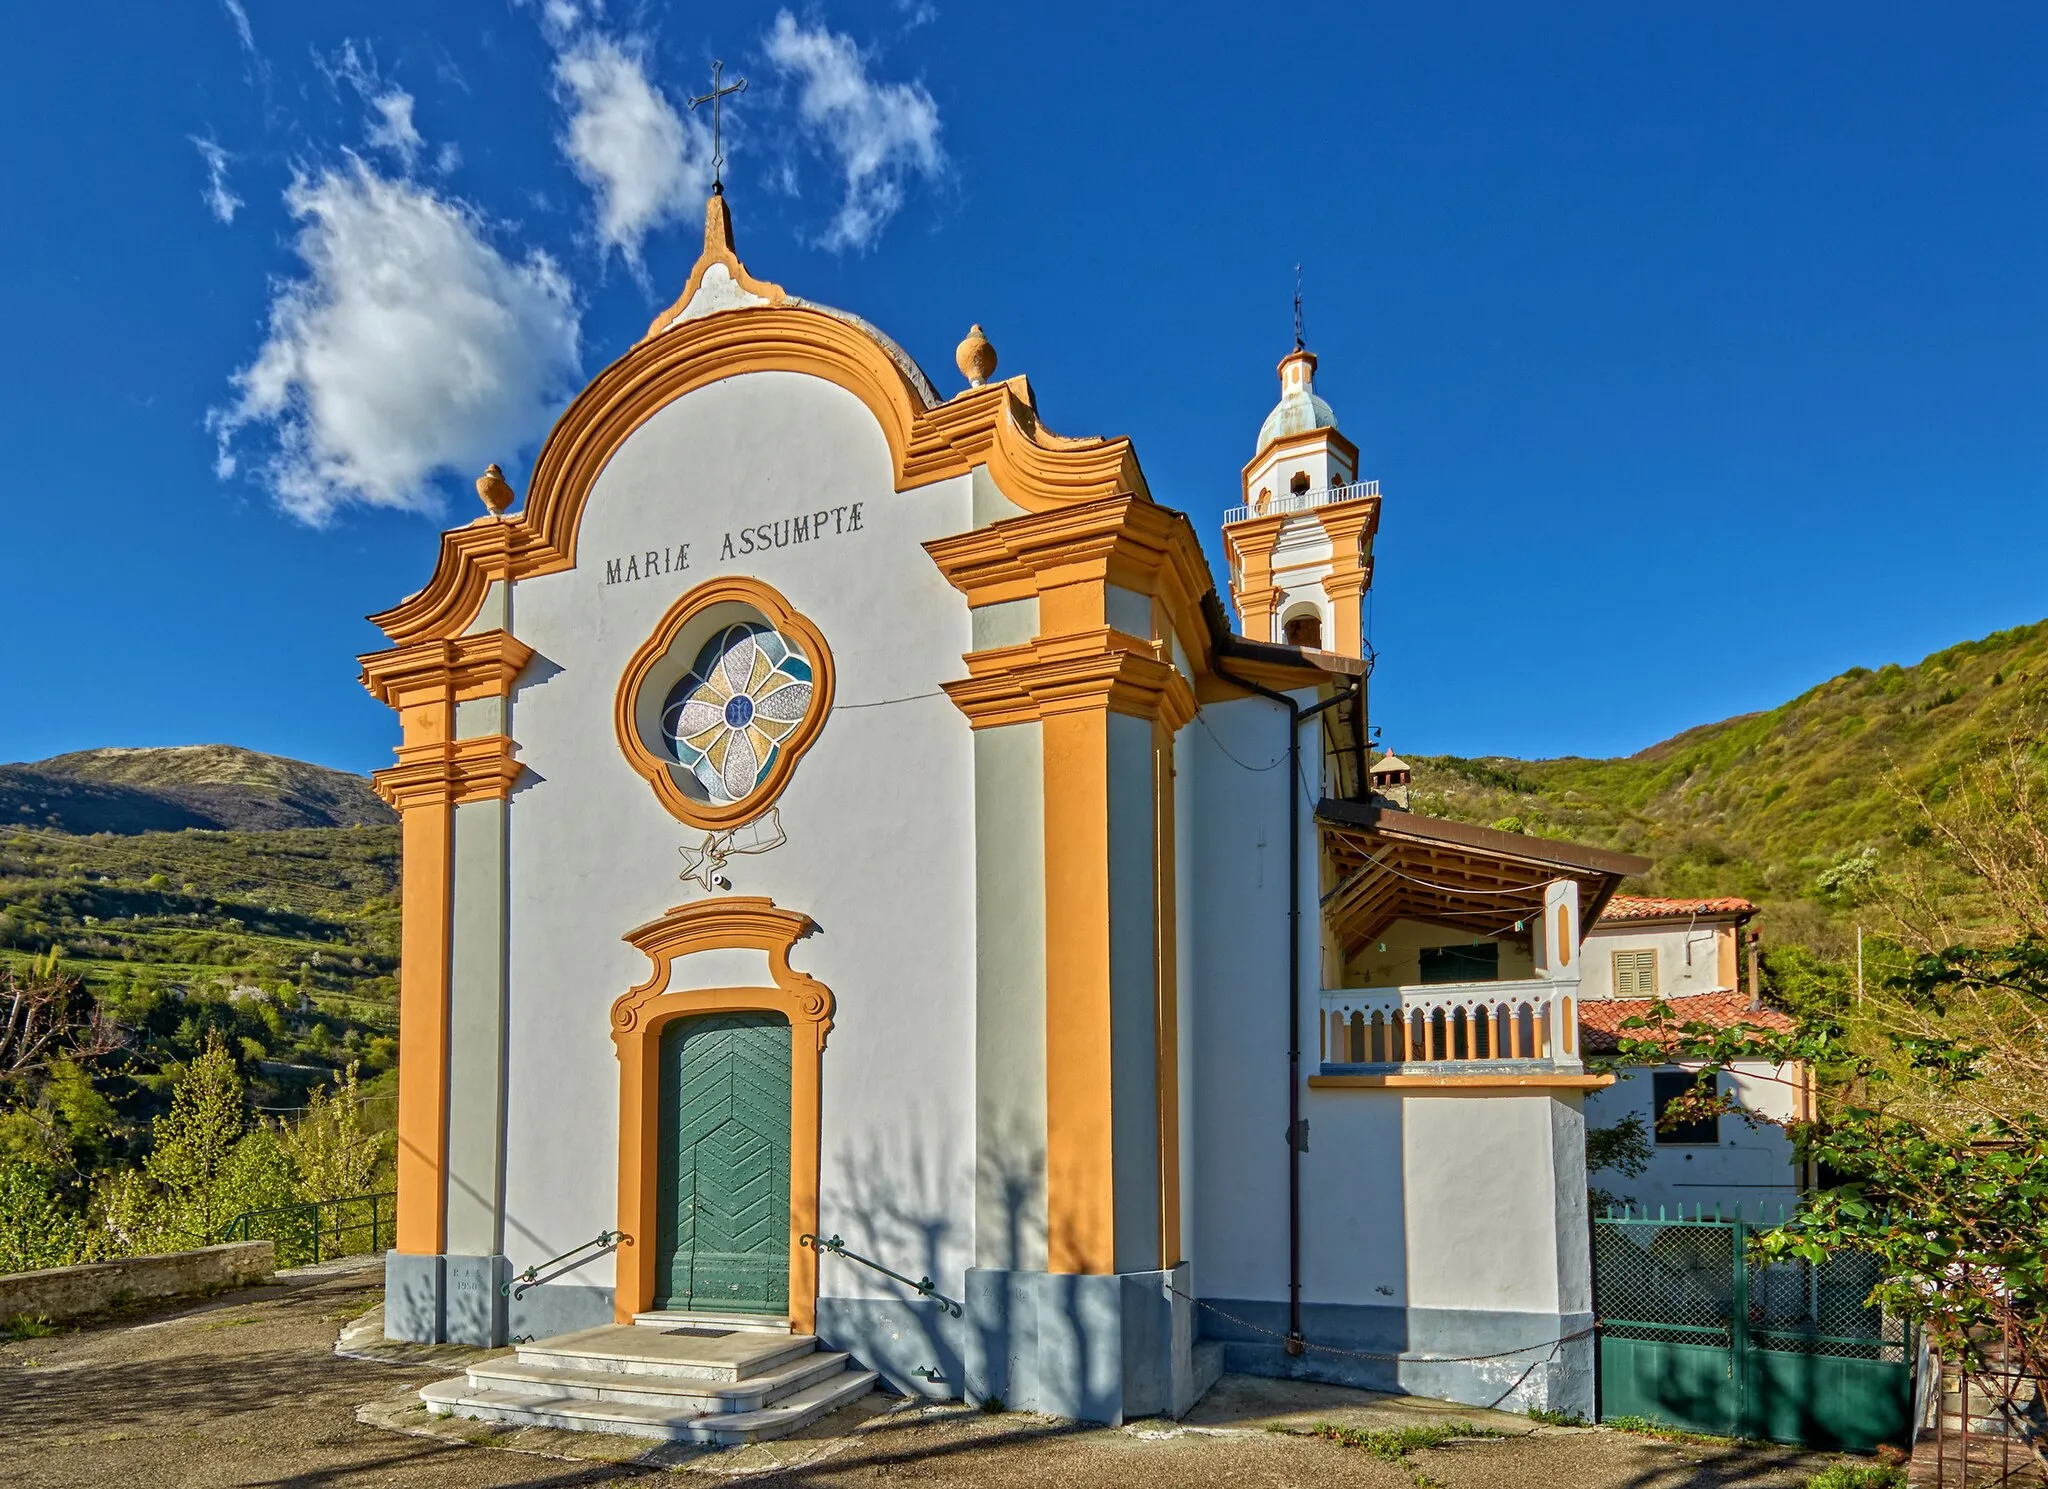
[240, 18]
[220, 200]
[644, 163]
[409, 347]
[878, 133]
[393, 128]
[390, 125]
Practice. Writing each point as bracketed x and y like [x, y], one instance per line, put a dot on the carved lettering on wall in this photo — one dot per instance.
[739, 542]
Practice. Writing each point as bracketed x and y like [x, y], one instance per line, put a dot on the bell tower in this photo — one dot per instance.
[1300, 543]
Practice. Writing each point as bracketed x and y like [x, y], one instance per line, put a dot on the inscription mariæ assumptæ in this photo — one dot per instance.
[804, 527]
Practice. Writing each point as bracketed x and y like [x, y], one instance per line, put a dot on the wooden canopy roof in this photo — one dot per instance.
[1392, 865]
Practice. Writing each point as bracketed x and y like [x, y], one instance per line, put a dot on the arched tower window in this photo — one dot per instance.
[1305, 631]
[1299, 485]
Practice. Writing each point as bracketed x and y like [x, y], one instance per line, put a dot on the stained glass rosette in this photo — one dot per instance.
[726, 720]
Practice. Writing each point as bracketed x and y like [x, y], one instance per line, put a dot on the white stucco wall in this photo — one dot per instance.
[1689, 959]
[1751, 1166]
[1237, 984]
[879, 817]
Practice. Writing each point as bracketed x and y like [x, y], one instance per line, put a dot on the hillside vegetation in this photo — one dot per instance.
[1793, 807]
[279, 937]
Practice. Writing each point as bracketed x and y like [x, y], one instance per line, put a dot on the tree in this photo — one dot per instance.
[37, 1228]
[1934, 1084]
[195, 1140]
[47, 1016]
[333, 1152]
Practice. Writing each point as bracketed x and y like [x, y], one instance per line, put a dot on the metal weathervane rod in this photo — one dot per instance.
[719, 90]
[1298, 342]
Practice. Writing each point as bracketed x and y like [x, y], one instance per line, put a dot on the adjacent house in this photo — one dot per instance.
[1690, 954]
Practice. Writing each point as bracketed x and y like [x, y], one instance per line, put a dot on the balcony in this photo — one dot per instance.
[1304, 501]
[1529, 1026]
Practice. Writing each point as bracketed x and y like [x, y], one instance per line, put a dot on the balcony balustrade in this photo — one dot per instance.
[1302, 501]
[1531, 1024]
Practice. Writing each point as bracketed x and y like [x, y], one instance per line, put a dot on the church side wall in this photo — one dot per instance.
[1238, 992]
[1435, 1224]
[879, 817]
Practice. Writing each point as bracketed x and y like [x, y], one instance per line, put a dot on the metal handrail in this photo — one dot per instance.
[605, 1240]
[922, 1285]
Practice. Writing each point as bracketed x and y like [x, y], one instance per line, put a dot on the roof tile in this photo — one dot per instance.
[1653, 907]
[1600, 1019]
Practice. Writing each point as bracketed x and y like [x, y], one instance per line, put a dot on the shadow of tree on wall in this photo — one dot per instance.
[902, 1197]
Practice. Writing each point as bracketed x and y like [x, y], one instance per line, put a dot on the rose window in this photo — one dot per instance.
[726, 720]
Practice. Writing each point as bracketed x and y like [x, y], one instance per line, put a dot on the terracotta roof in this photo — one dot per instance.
[1600, 1019]
[1653, 907]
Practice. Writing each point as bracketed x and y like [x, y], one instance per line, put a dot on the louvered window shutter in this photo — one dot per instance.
[1635, 974]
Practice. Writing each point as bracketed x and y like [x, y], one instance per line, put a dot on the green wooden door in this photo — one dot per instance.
[723, 1241]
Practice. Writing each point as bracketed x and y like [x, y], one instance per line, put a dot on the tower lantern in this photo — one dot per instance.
[1300, 543]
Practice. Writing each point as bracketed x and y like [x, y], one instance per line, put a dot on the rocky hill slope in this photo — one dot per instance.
[213, 787]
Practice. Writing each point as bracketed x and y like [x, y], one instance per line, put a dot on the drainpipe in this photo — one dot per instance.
[1296, 1137]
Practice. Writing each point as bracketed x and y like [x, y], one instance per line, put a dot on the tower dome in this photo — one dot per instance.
[1299, 410]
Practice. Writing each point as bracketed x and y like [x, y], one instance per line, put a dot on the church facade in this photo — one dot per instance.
[859, 883]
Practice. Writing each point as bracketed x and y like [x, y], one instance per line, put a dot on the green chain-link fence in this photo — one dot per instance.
[1697, 1333]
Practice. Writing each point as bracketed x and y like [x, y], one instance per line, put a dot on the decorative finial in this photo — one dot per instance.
[495, 490]
[976, 358]
[1298, 342]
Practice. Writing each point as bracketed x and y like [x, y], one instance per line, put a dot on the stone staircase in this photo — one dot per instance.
[703, 1378]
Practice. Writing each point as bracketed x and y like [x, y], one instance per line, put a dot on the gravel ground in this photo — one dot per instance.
[246, 1390]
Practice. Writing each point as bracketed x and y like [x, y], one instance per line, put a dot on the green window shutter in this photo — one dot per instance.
[1478, 962]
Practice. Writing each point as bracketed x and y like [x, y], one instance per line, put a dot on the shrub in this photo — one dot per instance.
[1858, 1476]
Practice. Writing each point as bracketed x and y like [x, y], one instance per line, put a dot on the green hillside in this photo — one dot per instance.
[283, 936]
[1790, 807]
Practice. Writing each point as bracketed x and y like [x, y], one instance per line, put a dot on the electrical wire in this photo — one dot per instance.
[1281, 759]
[890, 702]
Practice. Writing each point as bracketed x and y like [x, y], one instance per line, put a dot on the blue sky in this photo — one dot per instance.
[1699, 350]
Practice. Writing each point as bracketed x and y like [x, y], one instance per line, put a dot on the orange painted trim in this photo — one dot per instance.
[994, 426]
[1725, 944]
[660, 772]
[637, 1018]
[718, 249]
[435, 772]
[425, 883]
[458, 670]
[1101, 669]
[1560, 1081]
[1080, 1174]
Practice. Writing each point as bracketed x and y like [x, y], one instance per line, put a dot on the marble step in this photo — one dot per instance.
[746, 1323]
[680, 1393]
[625, 1349]
[458, 1397]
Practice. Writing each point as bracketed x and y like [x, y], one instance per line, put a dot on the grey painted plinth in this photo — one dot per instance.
[916, 1345]
[1093, 1349]
[415, 1297]
[1508, 1361]
[476, 1299]
[555, 1308]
